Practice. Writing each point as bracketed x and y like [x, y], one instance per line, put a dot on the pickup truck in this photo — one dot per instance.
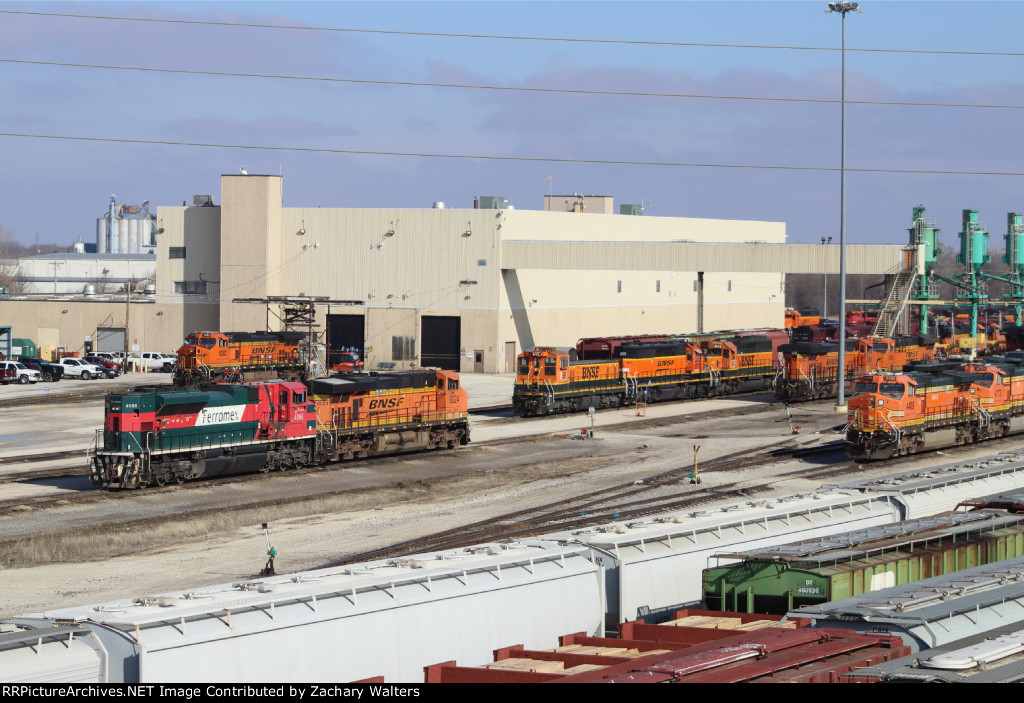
[22, 373]
[76, 368]
[156, 361]
[47, 371]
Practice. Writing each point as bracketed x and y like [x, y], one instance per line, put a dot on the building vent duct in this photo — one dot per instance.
[438, 205]
[202, 201]
[493, 202]
[89, 289]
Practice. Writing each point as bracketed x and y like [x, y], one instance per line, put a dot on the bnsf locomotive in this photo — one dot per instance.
[810, 370]
[207, 357]
[551, 380]
[935, 405]
[156, 436]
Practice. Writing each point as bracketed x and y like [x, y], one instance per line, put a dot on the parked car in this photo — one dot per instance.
[47, 371]
[158, 361]
[7, 375]
[110, 369]
[22, 373]
[79, 368]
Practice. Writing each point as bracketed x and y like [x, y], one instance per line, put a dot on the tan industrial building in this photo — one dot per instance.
[429, 286]
[463, 288]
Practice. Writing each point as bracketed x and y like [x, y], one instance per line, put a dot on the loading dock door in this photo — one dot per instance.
[110, 339]
[344, 332]
[442, 339]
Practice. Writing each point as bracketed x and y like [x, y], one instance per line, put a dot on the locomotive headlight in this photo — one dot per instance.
[881, 402]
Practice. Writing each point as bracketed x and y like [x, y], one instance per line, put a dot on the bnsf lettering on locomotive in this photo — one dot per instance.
[262, 350]
[384, 403]
[667, 362]
[590, 372]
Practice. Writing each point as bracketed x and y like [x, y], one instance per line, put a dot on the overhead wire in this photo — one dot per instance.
[493, 157]
[526, 89]
[506, 37]
[492, 87]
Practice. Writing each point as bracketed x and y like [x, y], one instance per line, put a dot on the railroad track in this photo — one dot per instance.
[621, 502]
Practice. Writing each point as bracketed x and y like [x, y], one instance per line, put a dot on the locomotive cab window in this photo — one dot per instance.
[298, 397]
[563, 363]
[865, 387]
[892, 390]
[282, 397]
[549, 366]
[524, 367]
[453, 385]
[207, 343]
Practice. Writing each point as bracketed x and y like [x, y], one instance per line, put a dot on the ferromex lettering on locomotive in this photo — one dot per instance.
[219, 416]
[155, 436]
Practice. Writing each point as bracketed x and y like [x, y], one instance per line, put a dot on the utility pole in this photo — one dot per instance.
[127, 313]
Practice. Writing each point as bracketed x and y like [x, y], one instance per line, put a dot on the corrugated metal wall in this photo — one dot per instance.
[692, 256]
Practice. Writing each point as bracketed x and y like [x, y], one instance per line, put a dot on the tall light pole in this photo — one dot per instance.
[824, 300]
[842, 8]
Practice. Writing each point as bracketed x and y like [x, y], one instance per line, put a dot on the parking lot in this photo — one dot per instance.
[75, 386]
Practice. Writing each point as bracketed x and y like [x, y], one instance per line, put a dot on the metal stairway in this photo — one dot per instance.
[894, 303]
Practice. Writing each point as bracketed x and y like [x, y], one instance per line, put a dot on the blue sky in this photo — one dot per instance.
[55, 188]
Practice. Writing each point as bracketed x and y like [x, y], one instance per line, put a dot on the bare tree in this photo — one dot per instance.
[9, 263]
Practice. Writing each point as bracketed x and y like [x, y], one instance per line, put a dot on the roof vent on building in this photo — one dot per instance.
[438, 205]
[150, 289]
[89, 289]
[493, 202]
[202, 201]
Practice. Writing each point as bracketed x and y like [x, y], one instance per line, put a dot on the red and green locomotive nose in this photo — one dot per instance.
[180, 419]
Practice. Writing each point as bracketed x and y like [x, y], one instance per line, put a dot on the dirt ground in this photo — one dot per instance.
[374, 505]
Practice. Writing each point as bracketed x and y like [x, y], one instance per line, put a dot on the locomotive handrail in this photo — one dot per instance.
[853, 420]
[895, 428]
[984, 416]
[630, 382]
[97, 441]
